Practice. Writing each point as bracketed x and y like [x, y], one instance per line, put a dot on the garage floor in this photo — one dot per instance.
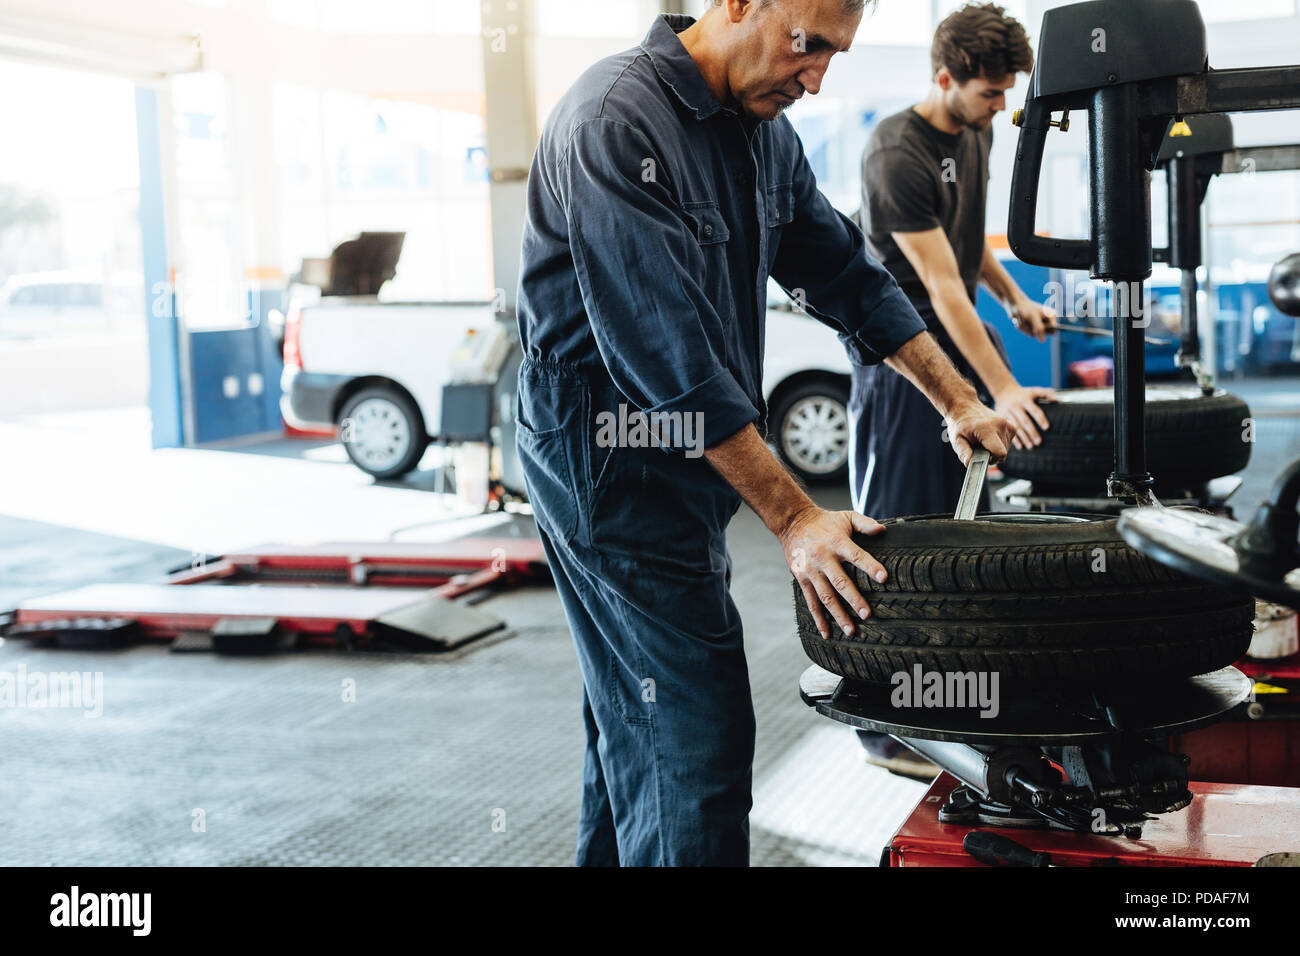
[198, 759]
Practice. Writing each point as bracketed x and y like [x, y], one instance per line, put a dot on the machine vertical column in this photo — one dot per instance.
[1120, 190]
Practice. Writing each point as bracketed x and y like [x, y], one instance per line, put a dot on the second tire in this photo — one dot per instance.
[1191, 439]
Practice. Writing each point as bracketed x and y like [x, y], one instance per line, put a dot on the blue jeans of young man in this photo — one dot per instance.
[635, 538]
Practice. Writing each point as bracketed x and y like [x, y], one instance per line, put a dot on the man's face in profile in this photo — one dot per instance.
[974, 103]
[783, 50]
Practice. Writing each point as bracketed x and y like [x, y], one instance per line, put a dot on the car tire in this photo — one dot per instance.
[1056, 600]
[810, 427]
[382, 431]
[1191, 439]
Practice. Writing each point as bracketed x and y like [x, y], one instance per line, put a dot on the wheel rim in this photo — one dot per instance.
[815, 435]
[1106, 394]
[1016, 517]
[380, 434]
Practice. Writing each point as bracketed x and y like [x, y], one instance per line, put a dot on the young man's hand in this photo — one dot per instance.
[1032, 318]
[977, 424]
[1020, 405]
[817, 543]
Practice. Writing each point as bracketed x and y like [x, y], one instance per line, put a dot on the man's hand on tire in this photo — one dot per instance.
[977, 424]
[1020, 405]
[817, 544]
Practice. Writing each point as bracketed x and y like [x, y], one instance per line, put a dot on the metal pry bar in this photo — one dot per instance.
[976, 469]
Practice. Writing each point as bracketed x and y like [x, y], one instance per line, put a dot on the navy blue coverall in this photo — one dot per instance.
[654, 218]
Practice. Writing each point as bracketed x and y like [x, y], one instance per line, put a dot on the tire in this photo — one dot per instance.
[382, 432]
[810, 427]
[1191, 439]
[1018, 595]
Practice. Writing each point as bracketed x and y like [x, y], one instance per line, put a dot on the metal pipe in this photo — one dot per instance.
[1185, 249]
[961, 760]
[1130, 478]
[1189, 346]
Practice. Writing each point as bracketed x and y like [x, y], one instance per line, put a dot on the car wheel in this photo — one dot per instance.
[810, 424]
[1191, 439]
[1046, 599]
[382, 432]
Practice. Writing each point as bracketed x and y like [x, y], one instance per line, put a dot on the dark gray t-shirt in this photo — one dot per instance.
[916, 177]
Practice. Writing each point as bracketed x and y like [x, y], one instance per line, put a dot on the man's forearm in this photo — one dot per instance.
[996, 278]
[962, 322]
[749, 466]
[925, 365]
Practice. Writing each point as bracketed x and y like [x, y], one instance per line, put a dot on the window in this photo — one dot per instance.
[896, 23]
[595, 18]
[69, 198]
[83, 295]
[1220, 11]
[391, 17]
[350, 163]
[209, 265]
[1014, 8]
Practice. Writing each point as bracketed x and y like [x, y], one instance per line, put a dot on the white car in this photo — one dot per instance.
[381, 366]
[48, 303]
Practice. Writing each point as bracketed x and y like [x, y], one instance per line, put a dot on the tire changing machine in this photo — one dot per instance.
[1194, 151]
[1072, 772]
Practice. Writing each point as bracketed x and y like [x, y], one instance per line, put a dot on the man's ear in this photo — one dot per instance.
[944, 79]
[737, 9]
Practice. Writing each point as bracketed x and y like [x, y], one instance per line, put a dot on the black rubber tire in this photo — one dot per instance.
[827, 389]
[1191, 439]
[419, 442]
[1020, 597]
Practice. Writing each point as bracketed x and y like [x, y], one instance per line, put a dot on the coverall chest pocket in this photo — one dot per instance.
[780, 204]
[712, 234]
[780, 210]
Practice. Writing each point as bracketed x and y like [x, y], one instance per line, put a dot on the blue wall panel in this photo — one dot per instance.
[160, 311]
[1031, 360]
[236, 375]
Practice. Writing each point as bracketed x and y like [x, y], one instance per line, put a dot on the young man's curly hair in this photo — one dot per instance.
[979, 39]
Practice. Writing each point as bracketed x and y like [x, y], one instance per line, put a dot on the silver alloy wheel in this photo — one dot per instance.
[380, 434]
[815, 435]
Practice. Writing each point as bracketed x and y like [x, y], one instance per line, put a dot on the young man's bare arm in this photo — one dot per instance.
[931, 255]
[1030, 317]
[924, 364]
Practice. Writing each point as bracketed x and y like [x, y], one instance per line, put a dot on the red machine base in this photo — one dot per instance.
[1226, 825]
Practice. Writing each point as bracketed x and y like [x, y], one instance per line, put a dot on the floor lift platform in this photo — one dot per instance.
[406, 595]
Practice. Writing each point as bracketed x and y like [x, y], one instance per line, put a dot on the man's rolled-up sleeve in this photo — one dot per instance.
[639, 268]
[824, 254]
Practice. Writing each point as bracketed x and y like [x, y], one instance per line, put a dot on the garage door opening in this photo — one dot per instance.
[72, 292]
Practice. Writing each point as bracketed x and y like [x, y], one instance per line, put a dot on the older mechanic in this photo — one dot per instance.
[665, 189]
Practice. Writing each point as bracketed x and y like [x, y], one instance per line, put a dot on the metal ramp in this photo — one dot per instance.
[410, 596]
